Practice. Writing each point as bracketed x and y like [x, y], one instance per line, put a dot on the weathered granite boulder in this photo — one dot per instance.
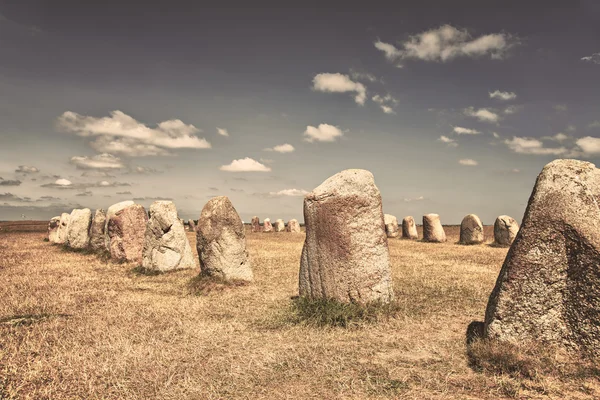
[61, 235]
[279, 226]
[97, 233]
[432, 229]
[391, 225]
[345, 255]
[505, 230]
[78, 232]
[293, 226]
[471, 230]
[53, 229]
[166, 246]
[409, 228]
[112, 210]
[256, 224]
[267, 227]
[548, 290]
[126, 231]
[221, 241]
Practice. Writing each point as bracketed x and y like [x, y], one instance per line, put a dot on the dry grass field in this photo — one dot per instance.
[76, 326]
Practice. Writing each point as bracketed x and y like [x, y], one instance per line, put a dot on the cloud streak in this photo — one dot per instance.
[339, 83]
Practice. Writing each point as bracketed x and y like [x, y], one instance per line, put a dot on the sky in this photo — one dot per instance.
[455, 107]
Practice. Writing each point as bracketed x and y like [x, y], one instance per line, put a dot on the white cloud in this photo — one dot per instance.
[483, 114]
[339, 83]
[495, 135]
[450, 142]
[447, 43]
[385, 102]
[245, 165]
[289, 192]
[120, 133]
[25, 169]
[559, 137]
[363, 76]
[388, 110]
[282, 148]
[512, 109]
[408, 200]
[589, 145]
[524, 145]
[503, 95]
[324, 133]
[468, 162]
[100, 161]
[465, 131]
[63, 182]
[222, 132]
[594, 58]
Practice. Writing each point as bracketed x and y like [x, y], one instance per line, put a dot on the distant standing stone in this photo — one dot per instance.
[279, 226]
[293, 226]
[221, 241]
[505, 230]
[61, 236]
[126, 230]
[112, 210]
[78, 233]
[548, 290]
[432, 229]
[97, 232]
[166, 246]
[345, 255]
[267, 227]
[192, 225]
[471, 230]
[409, 228]
[391, 225]
[256, 224]
[53, 229]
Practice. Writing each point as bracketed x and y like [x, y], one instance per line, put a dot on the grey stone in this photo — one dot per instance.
[471, 230]
[505, 230]
[126, 231]
[78, 232]
[409, 228]
[97, 233]
[432, 229]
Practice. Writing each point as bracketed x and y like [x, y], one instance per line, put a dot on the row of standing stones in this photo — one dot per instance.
[548, 289]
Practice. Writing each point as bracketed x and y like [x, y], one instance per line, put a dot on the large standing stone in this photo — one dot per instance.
[61, 235]
[97, 233]
[112, 210]
[192, 225]
[505, 230]
[53, 229]
[166, 246]
[432, 229]
[345, 255]
[221, 241]
[78, 233]
[256, 224]
[471, 230]
[548, 290]
[293, 226]
[267, 227]
[391, 225]
[126, 230]
[409, 228]
[279, 226]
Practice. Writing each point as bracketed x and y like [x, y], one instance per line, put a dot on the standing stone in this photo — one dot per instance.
[126, 230]
[267, 227]
[78, 233]
[221, 241]
[53, 229]
[391, 225]
[505, 230]
[192, 225]
[166, 246]
[61, 235]
[345, 255]
[432, 229]
[471, 230]
[409, 228]
[279, 226]
[97, 232]
[256, 224]
[548, 290]
[112, 210]
[293, 226]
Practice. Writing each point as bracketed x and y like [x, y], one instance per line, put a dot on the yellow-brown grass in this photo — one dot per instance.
[73, 325]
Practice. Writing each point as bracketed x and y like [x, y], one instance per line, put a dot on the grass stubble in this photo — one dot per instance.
[75, 325]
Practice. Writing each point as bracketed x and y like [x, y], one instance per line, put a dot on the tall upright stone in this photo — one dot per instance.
[391, 225]
[279, 226]
[256, 224]
[293, 226]
[548, 290]
[505, 230]
[53, 229]
[471, 230]
[97, 233]
[433, 231]
[409, 228]
[192, 225]
[166, 246]
[126, 231]
[112, 210]
[267, 227]
[61, 234]
[78, 233]
[221, 241]
[345, 255]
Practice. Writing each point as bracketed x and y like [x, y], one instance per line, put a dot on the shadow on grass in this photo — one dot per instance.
[139, 270]
[29, 319]
[204, 284]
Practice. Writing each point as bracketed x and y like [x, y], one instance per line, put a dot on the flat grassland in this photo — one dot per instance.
[74, 325]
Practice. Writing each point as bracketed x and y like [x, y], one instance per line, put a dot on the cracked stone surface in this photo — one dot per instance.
[221, 241]
[97, 233]
[345, 255]
[166, 246]
[471, 230]
[126, 232]
[433, 231]
[505, 230]
[78, 232]
[548, 290]
[409, 228]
